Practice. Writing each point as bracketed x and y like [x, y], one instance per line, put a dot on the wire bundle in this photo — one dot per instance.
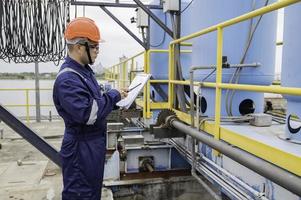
[32, 30]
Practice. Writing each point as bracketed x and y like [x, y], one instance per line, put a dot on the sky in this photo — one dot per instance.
[117, 42]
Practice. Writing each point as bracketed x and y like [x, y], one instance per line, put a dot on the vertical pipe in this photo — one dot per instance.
[116, 76]
[191, 99]
[171, 76]
[119, 75]
[218, 90]
[124, 74]
[132, 69]
[148, 113]
[148, 35]
[192, 122]
[37, 83]
[27, 105]
[193, 140]
[145, 88]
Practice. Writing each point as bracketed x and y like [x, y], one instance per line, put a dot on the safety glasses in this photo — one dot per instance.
[91, 46]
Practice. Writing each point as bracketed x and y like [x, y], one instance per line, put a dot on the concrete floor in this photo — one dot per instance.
[26, 174]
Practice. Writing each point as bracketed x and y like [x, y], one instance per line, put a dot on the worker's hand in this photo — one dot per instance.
[123, 92]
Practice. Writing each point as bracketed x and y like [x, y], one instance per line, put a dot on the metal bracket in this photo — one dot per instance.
[154, 17]
[30, 136]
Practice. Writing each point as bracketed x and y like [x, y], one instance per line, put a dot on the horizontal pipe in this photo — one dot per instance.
[232, 177]
[274, 173]
[126, 60]
[254, 88]
[133, 71]
[193, 68]
[207, 188]
[119, 5]
[166, 51]
[186, 44]
[158, 81]
[180, 82]
[208, 171]
[267, 89]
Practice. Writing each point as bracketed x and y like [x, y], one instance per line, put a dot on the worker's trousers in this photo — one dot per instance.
[83, 158]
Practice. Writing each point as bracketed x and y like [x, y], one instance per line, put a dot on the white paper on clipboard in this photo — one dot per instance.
[137, 84]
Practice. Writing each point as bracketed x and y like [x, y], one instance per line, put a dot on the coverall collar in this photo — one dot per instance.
[71, 63]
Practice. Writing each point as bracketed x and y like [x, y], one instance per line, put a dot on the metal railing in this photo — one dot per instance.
[120, 73]
[271, 154]
[27, 103]
[146, 103]
[218, 85]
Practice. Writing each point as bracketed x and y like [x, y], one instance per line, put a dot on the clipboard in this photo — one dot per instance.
[135, 87]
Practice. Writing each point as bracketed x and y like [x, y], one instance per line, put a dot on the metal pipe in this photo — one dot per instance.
[256, 88]
[234, 178]
[149, 167]
[119, 5]
[205, 185]
[193, 159]
[38, 102]
[192, 123]
[207, 171]
[230, 66]
[274, 173]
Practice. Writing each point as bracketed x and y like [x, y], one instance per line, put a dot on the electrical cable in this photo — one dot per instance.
[208, 75]
[180, 90]
[33, 30]
[164, 34]
[236, 75]
[187, 6]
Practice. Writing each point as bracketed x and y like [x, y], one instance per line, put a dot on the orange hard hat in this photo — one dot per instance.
[82, 27]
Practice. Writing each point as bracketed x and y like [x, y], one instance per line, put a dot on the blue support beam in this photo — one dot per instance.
[29, 135]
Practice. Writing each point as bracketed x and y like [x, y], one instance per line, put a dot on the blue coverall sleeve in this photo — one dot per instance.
[107, 103]
[77, 101]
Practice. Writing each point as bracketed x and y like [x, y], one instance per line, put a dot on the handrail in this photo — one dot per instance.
[27, 104]
[147, 105]
[112, 73]
[218, 84]
[244, 17]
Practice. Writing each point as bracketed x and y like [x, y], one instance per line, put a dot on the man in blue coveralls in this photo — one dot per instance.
[84, 108]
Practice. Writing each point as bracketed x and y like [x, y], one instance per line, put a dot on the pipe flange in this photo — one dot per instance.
[169, 120]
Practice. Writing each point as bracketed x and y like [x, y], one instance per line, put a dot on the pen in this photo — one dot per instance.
[134, 87]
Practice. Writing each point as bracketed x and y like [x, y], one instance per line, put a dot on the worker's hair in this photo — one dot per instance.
[70, 47]
[71, 43]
